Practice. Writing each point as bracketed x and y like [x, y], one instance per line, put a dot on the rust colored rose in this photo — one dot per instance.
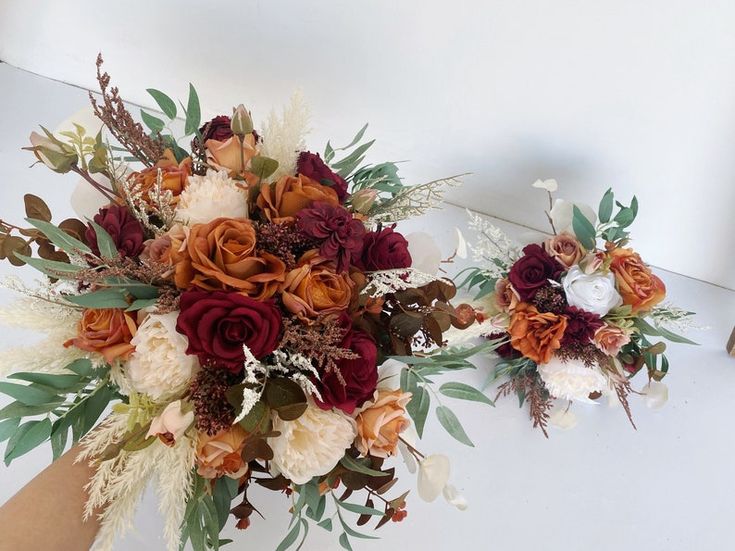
[536, 335]
[233, 155]
[381, 422]
[315, 288]
[221, 255]
[565, 249]
[220, 455]
[638, 286]
[174, 176]
[281, 200]
[107, 331]
[165, 249]
[610, 339]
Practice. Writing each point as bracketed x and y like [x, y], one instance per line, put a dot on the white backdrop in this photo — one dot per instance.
[635, 95]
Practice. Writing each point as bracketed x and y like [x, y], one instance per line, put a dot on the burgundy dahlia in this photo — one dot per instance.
[219, 324]
[126, 232]
[532, 271]
[312, 166]
[581, 326]
[341, 234]
[384, 249]
[216, 129]
[356, 379]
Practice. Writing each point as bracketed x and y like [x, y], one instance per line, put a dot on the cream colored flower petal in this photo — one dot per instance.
[87, 201]
[433, 476]
[461, 250]
[549, 185]
[563, 418]
[656, 394]
[408, 458]
[453, 497]
[562, 211]
[425, 253]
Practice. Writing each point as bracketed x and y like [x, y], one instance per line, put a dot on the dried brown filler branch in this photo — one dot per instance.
[121, 124]
[539, 401]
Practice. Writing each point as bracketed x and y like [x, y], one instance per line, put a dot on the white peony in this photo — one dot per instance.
[571, 380]
[593, 293]
[311, 445]
[160, 366]
[563, 211]
[215, 195]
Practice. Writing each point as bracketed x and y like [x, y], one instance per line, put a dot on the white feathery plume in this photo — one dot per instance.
[284, 136]
[58, 321]
[384, 282]
[175, 475]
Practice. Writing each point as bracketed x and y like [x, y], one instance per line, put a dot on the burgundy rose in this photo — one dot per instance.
[532, 271]
[356, 380]
[216, 129]
[218, 324]
[341, 233]
[126, 232]
[384, 249]
[312, 166]
[581, 326]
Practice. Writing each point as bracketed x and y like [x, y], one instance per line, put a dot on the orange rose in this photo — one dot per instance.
[221, 255]
[165, 249]
[536, 335]
[282, 200]
[219, 455]
[174, 176]
[565, 249]
[636, 283]
[315, 288]
[107, 331]
[380, 423]
[233, 156]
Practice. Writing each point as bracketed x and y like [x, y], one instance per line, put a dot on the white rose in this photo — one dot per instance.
[215, 195]
[593, 293]
[311, 445]
[563, 211]
[571, 380]
[160, 366]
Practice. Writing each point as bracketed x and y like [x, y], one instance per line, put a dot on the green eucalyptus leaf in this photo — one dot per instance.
[262, 166]
[51, 268]
[462, 391]
[154, 123]
[193, 112]
[290, 538]
[59, 237]
[59, 382]
[352, 464]
[105, 243]
[104, 298]
[451, 424]
[28, 395]
[167, 105]
[8, 428]
[360, 509]
[583, 229]
[27, 437]
[418, 409]
[606, 206]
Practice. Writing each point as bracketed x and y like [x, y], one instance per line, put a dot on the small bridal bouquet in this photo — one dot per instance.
[579, 313]
[231, 302]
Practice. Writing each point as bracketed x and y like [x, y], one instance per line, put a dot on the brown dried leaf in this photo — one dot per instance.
[74, 227]
[12, 244]
[256, 448]
[36, 208]
[407, 324]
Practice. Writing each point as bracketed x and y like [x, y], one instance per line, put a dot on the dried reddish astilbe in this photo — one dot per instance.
[284, 241]
[208, 394]
[319, 342]
[621, 384]
[538, 398]
[121, 124]
[550, 299]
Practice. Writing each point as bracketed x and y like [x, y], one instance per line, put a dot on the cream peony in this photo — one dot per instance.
[215, 195]
[593, 293]
[160, 366]
[571, 380]
[311, 445]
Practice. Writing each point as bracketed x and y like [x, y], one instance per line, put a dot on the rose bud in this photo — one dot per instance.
[363, 200]
[241, 122]
[55, 154]
[171, 424]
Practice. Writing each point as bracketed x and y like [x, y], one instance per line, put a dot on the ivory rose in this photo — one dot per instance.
[221, 255]
[171, 424]
[536, 335]
[220, 454]
[380, 423]
[594, 293]
[106, 331]
[281, 200]
[315, 288]
[565, 249]
[610, 339]
[639, 287]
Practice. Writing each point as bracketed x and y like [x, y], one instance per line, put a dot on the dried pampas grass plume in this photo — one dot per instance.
[284, 136]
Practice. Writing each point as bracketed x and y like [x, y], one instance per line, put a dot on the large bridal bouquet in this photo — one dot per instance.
[233, 302]
[578, 312]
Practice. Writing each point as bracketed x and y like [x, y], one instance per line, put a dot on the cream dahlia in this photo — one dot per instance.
[160, 366]
[571, 380]
[311, 445]
[214, 195]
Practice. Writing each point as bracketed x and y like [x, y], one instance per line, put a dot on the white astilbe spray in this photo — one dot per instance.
[284, 136]
[289, 365]
[413, 201]
[493, 247]
[384, 282]
[56, 320]
[672, 317]
[175, 477]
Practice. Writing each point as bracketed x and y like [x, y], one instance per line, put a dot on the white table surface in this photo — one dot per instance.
[603, 485]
